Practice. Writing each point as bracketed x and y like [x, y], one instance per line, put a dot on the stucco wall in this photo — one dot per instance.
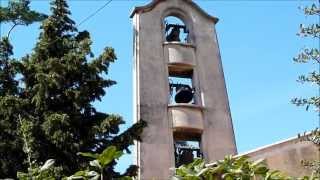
[287, 155]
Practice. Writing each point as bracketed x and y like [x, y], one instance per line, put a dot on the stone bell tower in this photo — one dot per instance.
[179, 88]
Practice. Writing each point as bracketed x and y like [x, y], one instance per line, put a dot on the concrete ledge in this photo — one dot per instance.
[194, 106]
[180, 44]
[180, 53]
[186, 117]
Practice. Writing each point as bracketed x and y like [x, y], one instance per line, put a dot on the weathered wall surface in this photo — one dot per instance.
[286, 156]
[155, 154]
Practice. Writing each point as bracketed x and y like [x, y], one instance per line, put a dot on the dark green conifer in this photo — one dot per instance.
[61, 79]
[12, 156]
[11, 152]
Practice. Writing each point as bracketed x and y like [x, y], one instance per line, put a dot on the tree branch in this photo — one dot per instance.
[14, 25]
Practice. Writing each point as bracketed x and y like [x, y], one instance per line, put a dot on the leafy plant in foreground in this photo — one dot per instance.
[230, 168]
[99, 166]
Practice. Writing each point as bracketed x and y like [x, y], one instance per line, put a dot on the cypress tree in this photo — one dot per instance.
[12, 155]
[10, 146]
[60, 80]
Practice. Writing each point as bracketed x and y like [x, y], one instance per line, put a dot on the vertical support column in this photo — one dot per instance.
[154, 155]
[218, 136]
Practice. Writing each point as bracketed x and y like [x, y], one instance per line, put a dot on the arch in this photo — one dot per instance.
[153, 3]
[181, 15]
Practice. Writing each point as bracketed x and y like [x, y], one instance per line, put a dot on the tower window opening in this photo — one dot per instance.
[176, 30]
[181, 88]
[186, 149]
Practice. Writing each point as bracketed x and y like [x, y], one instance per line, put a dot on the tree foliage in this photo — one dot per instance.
[19, 13]
[11, 154]
[311, 55]
[100, 164]
[97, 168]
[47, 112]
[46, 171]
[230, 168]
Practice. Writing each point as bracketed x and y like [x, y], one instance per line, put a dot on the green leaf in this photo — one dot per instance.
[108, 155]
[202, 171]
[93, 175]
[48, 164]
[91, 155]
[95, 163]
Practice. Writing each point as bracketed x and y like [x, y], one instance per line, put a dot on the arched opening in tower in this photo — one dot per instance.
[176, 30]
[181, 87]
[187, 147]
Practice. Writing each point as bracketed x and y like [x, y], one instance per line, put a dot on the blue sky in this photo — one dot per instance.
[257, 41]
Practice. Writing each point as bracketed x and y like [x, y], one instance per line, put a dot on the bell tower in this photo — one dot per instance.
[179, 88]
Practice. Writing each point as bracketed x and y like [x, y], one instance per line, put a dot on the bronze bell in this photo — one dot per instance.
[186, 156]
[174, 34]
[184, 94]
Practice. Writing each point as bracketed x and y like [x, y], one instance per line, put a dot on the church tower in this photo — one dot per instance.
[179, 88]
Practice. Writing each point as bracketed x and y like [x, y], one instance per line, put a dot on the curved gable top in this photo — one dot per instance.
[150, 6]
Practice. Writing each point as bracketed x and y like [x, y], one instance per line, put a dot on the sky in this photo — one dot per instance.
[257, 40]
